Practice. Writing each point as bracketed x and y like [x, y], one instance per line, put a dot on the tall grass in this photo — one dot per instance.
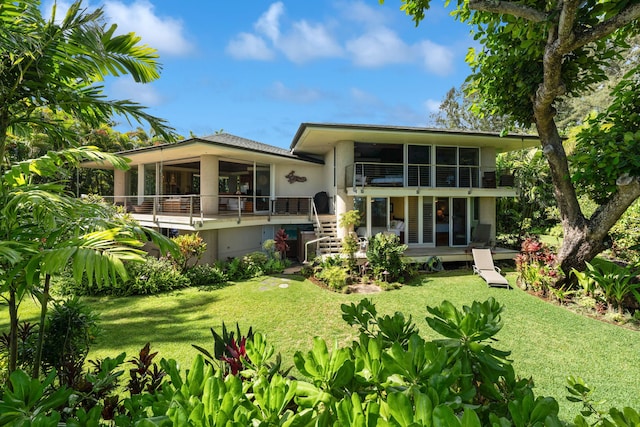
[547, 342]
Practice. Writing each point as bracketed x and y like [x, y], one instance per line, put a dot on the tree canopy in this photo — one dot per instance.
[533, 55]
[60, 63]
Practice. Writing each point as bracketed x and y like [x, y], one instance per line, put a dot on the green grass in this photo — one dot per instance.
[547, 342]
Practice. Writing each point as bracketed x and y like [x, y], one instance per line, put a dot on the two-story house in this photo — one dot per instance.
[430, 187]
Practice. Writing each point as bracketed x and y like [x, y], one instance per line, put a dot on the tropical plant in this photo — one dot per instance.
[384, 254]
[281, 243]
[335, 277]
[191, 248]
[44, 231]
[71, 328]
[537, 267]
[206, 275]
[533, 55]
[616, 283]
[59, 64]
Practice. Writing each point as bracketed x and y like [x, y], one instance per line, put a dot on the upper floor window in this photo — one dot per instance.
[457, 167]
[419, 165]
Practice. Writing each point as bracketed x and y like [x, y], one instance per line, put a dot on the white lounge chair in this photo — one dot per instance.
[483, 266]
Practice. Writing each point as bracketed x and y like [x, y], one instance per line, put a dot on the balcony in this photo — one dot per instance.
[190, 209]
[375, 175]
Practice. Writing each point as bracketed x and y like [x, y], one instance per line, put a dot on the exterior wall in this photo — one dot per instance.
[487, 158]
[239, 241]
[313, 184]
[329, 178]
[488, 213]
[211, 254]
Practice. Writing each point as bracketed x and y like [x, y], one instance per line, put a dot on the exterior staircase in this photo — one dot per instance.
[328, 227]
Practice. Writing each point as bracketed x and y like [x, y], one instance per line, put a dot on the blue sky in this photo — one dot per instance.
[258, 69]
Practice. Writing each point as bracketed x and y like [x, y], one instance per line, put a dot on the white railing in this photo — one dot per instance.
[369, 174]
[196, 206]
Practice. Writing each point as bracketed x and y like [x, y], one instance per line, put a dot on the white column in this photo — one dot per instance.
[140, 183]
[119, 181]
[344, 203]
[209, 177]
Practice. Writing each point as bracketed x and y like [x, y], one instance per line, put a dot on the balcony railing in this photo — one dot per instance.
[197, 207]
[364, 174]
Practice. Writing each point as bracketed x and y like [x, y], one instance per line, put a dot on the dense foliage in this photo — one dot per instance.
[388, 376]
[532, 57]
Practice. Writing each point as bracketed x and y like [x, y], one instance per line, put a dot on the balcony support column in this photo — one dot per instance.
[209, 179]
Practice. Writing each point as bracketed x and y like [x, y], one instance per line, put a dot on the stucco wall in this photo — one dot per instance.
[308, 188]
[239, 241]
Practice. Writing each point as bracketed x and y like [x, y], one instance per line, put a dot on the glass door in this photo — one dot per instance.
[442, 221]
[459, 229]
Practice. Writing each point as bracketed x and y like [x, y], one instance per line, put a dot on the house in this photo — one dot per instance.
[430, 187]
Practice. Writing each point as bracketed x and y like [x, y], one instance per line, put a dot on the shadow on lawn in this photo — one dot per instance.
[125, 323]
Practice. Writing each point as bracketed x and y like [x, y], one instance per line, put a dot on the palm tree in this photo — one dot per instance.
[60, 65]
[44, 230]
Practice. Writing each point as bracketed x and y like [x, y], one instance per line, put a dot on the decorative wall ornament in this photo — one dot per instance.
[292, 177]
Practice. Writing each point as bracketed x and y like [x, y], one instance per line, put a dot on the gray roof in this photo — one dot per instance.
[231, 141]
[244, 143]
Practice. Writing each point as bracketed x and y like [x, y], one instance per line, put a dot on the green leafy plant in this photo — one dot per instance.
[191, 248]
[335, 277]
[70, 330]
[206, 275]
[616, 283]
[391, 329]
[384, 254]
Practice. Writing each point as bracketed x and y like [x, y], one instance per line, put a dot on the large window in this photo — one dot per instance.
[457, 167]
[446, 167]
[419, 165]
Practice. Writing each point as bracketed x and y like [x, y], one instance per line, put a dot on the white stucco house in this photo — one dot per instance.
[429, 186]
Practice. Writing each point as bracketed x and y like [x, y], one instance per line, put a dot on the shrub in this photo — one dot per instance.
[536, 267]
[71, 328]
[206, 275]
[255, 263]
[151, 277]
[335, 277]
[385, 257]
[191, 247]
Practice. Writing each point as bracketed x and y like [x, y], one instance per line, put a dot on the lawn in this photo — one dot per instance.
[547, 342]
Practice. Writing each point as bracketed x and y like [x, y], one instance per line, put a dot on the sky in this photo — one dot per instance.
[258, 69]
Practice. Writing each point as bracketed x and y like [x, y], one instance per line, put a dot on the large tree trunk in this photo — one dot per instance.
[583, 238]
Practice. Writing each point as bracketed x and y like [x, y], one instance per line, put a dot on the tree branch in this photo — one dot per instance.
[625, 17]
[508, 8]
[566, 22]
[608, 214]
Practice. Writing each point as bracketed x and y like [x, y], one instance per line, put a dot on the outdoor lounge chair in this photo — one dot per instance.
[481, 236]
[483, 266]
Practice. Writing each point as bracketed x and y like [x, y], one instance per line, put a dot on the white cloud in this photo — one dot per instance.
[249, 46]
[378, 48]
[144, 94]
[300, 95]
[303, 42]
[435, 58]
[163, 33]
[269, 22]
[307, 42]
